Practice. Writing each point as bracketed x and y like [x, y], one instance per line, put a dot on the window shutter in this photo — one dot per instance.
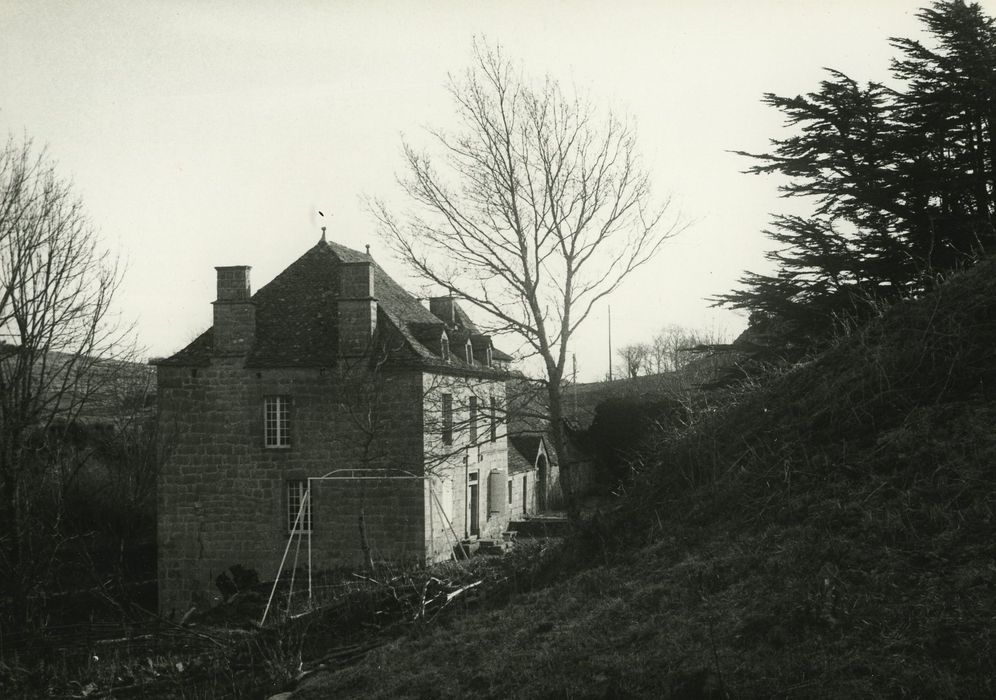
[496, 491]
[447, 419]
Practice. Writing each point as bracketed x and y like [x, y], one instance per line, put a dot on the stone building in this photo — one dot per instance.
[331, 370]
[531, 475]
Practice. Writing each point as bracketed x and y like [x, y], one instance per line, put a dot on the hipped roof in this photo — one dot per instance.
[297, 319]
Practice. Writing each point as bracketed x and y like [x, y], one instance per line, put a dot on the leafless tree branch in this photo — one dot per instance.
[61, 347]
[539, 208]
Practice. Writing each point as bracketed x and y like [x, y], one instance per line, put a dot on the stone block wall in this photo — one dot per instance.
[234, 312]
[233, 283]
[234, 327]
[222, 494]
[356, 308]
[391, 510]
[357, 323]
[523, 482]
[451, 465]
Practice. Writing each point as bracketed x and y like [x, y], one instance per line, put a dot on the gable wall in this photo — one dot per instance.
[222, 494]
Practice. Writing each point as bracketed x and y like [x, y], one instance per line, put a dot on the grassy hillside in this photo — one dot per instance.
[831, 533]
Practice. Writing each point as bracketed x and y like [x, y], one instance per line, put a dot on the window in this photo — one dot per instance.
[444, 345]
[276, 421]
[469, 353]
[447, 419]
[488, 359]
[297, 491]
[510, 491]
[494, 419]
[473, 419]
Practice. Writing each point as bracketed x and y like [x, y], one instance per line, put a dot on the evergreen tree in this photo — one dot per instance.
[902, 181]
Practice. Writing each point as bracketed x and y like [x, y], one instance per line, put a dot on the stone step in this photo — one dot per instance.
[495, 546]
[466, 548]
[472, 547]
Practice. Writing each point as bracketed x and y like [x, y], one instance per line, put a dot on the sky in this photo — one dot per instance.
[201, 134]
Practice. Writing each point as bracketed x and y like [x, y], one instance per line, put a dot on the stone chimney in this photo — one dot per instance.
[444, 308]
[357, 308]
[234, 312]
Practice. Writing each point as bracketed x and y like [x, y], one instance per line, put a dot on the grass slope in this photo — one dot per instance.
[829, 534]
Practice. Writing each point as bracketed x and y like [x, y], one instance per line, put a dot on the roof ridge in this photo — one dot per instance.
[296, 319]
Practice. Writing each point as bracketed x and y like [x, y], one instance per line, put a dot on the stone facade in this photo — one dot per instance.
[467, 471]
[369, 418]
[521, 494]
[534, 479]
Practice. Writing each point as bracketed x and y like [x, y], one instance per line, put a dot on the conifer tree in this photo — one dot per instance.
[901, 180]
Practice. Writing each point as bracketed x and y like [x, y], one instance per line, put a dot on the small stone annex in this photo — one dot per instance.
[529, 474]
[330, 370]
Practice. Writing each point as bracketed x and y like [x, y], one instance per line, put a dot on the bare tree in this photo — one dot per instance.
[635, 358]
[137, 440]
[673, 347]
[539, 209]
[59, 344]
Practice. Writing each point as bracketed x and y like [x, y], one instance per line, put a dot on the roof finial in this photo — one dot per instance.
[368, 250]
[323, 234]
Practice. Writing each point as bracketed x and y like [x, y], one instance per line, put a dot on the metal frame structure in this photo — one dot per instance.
[341, 475]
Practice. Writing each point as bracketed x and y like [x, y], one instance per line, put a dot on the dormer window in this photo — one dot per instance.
[444, 347]
[469, 353]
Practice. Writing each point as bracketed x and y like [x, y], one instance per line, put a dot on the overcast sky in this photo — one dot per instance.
[202, 134]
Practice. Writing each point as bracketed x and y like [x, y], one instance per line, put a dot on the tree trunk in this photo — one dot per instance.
[571, 501]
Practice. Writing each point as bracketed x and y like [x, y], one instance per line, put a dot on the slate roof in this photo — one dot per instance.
[525, 450]
[296, 319]
[499, 355]
[463, 320]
